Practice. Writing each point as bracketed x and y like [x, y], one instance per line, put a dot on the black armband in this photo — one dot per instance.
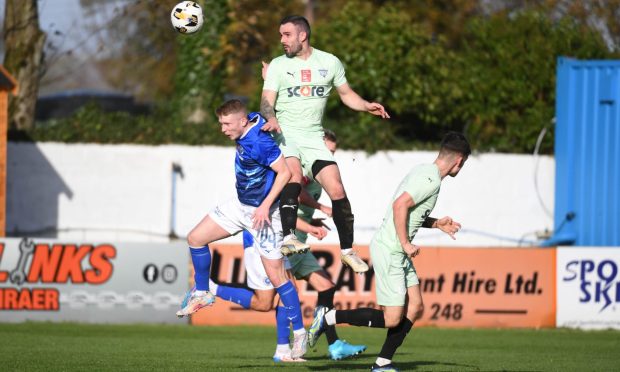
[428, 222]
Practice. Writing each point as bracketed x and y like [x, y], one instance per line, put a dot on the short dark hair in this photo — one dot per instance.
[299, 22]
[455, 142]
[330, 135]
[232, 106]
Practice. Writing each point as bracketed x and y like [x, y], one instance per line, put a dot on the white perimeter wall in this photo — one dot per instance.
[123, 192]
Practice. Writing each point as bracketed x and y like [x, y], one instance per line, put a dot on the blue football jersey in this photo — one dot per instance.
[256, 152]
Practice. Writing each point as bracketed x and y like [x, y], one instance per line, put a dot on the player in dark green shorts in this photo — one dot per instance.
[392, 250]
[296, 88]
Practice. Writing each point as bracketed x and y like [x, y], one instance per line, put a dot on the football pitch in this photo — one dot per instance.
[80, 347]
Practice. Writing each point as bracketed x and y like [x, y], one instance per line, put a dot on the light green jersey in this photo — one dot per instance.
[304, 212]
[422, 184]
[303, 87]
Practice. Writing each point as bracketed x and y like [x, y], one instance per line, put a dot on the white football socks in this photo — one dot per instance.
[213, 287]
[283, 349]
[299, 331]
[330, 317]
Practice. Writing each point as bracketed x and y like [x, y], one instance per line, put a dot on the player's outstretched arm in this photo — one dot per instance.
[445, 224]
[306, 199]
[283, 175]
[318, 232]
[350, 98]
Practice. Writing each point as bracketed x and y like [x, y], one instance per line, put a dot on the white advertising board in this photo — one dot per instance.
[49, 280]
[588, 287]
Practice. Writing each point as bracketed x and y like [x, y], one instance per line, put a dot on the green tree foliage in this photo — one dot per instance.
[600, 15]
[498, 86]
[485, 68]
[391, 59]
[137, 56]
[91, 124]
[509, 72]
[248, 38]
[200, 72]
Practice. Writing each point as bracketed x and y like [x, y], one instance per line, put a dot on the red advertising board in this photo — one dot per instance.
[462, 287]
[488, 287]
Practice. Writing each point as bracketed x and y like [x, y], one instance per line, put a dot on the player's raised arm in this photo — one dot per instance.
[283, 175]
[400, 208]
[353, 100]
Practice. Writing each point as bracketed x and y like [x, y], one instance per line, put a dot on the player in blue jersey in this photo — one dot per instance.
[303, 266]
[261, 173]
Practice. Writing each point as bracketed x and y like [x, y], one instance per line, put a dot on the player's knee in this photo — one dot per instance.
[194, 240]
[296, 177]
[261, 304]
[338, 193]
[326, 285]
[392, 319]
[416, 312]
[320, 281]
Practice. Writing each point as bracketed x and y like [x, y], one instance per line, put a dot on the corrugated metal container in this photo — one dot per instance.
[587, 153]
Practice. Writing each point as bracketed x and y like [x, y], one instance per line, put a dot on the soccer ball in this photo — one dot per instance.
[186, 17]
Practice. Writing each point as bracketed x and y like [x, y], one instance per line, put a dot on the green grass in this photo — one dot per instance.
[79, 347]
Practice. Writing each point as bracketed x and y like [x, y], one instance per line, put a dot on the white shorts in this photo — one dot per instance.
[233, 216]
[255, 271]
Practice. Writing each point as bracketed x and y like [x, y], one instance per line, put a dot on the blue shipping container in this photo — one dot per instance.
[587, 153]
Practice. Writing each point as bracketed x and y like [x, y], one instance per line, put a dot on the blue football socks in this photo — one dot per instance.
[241, 296]
[201, 259]
[290, 300]
[283, 326]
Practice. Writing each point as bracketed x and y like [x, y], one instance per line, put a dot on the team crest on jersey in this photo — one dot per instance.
[306, 76]
[323, 72]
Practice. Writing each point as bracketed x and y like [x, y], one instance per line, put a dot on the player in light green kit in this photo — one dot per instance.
[391, 251]
[294, 96]
[305, 266]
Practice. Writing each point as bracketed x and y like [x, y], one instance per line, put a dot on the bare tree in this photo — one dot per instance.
[23, 58]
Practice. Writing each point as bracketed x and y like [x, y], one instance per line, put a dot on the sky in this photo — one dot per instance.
[58, 15]
[66, 26]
